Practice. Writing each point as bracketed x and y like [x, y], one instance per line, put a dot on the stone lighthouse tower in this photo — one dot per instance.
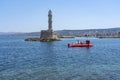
[46, 35]
[50, 20]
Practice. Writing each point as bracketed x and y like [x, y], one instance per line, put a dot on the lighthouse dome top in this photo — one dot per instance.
[49, 12]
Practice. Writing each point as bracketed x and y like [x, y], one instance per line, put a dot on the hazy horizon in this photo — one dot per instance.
[62, 29]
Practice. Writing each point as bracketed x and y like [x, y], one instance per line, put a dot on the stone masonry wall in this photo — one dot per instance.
[46, 34]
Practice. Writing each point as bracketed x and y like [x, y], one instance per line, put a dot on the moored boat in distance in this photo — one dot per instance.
[80, 44]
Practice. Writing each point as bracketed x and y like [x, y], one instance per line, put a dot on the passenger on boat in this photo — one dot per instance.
[87, 41]
[79, 42]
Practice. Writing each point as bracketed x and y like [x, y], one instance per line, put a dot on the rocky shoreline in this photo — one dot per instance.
[41, 40]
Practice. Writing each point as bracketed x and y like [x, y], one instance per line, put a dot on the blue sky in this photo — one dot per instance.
[32, 15]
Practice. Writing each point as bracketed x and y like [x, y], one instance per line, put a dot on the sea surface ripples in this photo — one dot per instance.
[20, 60]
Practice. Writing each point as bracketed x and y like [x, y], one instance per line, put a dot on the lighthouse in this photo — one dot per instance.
[46, 35]
[50, 20]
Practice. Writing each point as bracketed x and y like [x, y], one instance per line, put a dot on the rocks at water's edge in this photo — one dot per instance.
[41, 40]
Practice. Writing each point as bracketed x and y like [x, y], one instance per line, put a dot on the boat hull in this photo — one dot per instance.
[80, 45]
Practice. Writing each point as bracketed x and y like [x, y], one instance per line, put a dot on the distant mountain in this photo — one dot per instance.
[9, 33]
[91, 32]
[19, 34]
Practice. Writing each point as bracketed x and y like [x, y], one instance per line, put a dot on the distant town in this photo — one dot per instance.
[100, 33]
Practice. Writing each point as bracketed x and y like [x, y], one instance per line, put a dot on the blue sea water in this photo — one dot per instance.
[20, 60]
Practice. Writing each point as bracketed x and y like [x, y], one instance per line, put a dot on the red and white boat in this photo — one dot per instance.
[80, 44]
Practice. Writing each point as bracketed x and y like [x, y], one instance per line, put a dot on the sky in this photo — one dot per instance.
[32, 15]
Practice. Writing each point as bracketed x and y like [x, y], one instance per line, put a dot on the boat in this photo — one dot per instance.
[80, 44]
